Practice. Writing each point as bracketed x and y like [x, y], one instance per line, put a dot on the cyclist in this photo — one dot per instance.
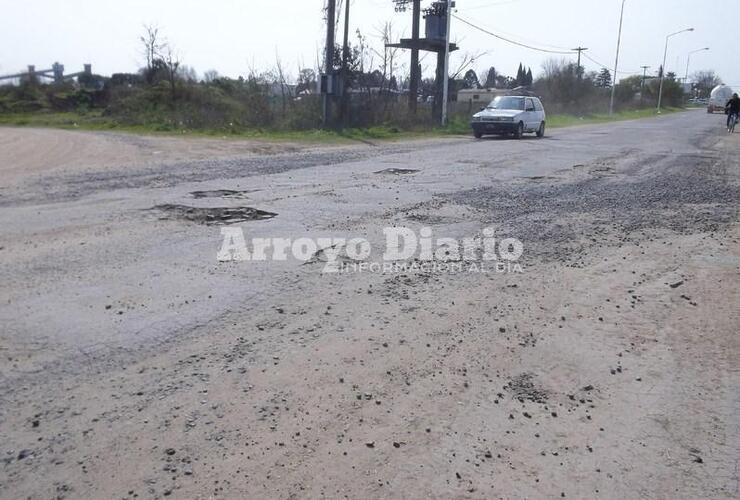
[733, 108]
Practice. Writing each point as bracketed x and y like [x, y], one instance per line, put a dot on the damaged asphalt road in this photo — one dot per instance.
[135, 365]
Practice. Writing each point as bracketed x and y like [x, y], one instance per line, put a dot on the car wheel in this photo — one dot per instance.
[519, 131]
[477, 135]
[541, 130]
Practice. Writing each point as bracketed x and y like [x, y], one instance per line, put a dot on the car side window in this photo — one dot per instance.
[530, 105]
[538, 105]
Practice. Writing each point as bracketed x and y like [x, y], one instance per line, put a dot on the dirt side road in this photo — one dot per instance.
[34, 152]
[135, 365]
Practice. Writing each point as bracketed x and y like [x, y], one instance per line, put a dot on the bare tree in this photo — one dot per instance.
[705, 81]
[210, 76]
[152, 44]
[388, 62]
[306, 80]
[281, 81]
[468, 59]
[171, 63]
[187, 74]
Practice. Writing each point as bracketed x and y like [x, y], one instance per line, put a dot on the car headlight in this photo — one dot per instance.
[477, 119]
[507, 119]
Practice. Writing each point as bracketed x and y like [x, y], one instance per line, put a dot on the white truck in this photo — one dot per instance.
[718, 100]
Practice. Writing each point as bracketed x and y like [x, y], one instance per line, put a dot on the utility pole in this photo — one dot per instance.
[345, 67]
[616, 62]
[642, 85]
[415, 76]
[579, 50]
[331, 11]
[446, 73]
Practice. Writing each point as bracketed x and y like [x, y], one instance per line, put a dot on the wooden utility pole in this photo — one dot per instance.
[327, 84]
[642, 85]
[579, 50]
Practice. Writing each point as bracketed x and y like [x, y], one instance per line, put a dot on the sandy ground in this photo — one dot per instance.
[135, 365]
[29, 152]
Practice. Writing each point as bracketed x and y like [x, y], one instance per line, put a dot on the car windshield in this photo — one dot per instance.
[516, 103]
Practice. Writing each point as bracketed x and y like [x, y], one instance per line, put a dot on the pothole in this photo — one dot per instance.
[427, 219]
[219, 216]
[524, 387]
[397, 171]
[539, 178]
[220, 193]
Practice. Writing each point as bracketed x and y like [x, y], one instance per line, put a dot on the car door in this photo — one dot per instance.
[540, 112]
[530, 115]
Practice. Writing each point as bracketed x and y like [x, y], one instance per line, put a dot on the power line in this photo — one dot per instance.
[521, 39]
[514, 42]
[605, 66]
[539, 49]
[489, 4]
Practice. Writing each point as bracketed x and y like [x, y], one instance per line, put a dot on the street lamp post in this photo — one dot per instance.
[688, 61]
[665, 57]
[616, 61]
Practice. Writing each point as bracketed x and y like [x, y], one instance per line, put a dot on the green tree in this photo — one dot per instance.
[491, 78]
[628, 88]
[604, 79]
[470, 80]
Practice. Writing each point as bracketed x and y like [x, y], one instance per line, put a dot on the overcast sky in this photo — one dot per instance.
[232, 36]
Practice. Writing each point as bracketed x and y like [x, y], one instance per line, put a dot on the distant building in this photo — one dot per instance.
[484, 96]
[280, 89]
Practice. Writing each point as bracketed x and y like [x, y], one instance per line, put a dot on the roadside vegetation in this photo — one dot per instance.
[167, 97]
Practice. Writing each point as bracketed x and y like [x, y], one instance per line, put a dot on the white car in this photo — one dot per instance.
[510, 115]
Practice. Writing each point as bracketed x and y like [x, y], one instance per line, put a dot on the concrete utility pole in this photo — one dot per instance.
[644, 74]
[665, 57]
[437, 41]
[446, 75]
[415, 76]
[344, 105]
[579, 50]
[331, 11]
[616, 61]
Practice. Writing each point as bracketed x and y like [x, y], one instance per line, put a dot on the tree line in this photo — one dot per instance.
[168, 95]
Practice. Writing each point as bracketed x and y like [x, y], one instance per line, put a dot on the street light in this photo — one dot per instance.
[665, 56]
[688, 62]
[616, 62]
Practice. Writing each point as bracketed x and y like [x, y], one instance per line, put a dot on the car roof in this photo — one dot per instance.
[517, 97]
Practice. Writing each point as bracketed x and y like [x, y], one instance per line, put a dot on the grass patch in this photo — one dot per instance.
[96, 121]
[557, 121]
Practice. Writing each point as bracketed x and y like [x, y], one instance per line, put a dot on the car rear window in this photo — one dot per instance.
[516, 103]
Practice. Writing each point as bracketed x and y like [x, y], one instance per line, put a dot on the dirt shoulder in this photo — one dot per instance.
[29, 152]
